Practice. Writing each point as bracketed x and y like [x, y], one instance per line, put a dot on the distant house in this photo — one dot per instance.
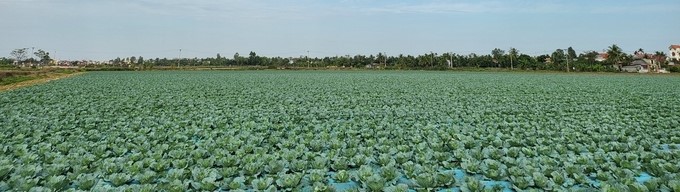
[674, 52]
[548, 60]
[373, 66]
[640, 66]
[601, 57]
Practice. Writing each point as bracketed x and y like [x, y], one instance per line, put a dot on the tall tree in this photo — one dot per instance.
[571, 53]
[252, 58]
[19, 55]
[43, 56]
[558, 57]
[513, 56]
[497, 54]
[237, 57]
[615, 55]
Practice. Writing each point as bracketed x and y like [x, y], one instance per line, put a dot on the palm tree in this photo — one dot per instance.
[615, 55]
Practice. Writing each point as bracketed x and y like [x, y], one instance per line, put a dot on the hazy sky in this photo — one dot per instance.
[105, 29]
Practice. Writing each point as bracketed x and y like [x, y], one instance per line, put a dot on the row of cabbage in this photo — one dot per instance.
[342, 131]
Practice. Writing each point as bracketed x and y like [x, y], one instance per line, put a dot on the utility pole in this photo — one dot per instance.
[431, 59]
[567, 60]
[308, 62]
[31, 54]
[450, 59]
[385, 58]
[179, 58]
[512, 54]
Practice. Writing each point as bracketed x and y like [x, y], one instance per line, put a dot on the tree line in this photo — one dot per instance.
[23, 55]
[560, 59]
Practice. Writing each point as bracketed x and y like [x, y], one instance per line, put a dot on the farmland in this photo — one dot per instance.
[342, 130]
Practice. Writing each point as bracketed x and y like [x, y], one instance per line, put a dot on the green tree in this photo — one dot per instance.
[615, 56]
[253, 59]
[558, 57]
[497, 55]
[140, 62]
[542, 58]
[5, 61]
[218, 60]
[588, 56]
[237, 58]
[19, 55]
[43, 56]
[527, 62]
[382, 59]
[571, 54]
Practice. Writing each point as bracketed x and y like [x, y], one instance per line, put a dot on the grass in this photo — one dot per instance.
[17, 79]
[11, 79]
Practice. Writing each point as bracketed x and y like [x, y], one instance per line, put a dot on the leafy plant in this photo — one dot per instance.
[86, 181]
[289, 182]
[317, 176]
[147, 177]
[57, 182]
[398, 188]
[374, 183]
[342, 176]
[262, 183]
[340, 163]
[426, 180]
[390, 173]
[321, 187]
[118, 179]
[236, 183]
[472, 184]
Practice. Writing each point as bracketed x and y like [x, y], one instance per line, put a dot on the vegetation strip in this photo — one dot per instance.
[33, 80]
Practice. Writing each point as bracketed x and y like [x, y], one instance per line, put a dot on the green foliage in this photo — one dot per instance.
[674, 69]
[374, 183]
[57, 182]
[118, 179]
[289, 182]
[342, 176]
[262, 184]
[368, 130]
[86, 181]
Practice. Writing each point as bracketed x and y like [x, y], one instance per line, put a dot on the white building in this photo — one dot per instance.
[674, 52]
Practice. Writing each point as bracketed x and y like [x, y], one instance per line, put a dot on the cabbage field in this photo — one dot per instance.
[342, 131]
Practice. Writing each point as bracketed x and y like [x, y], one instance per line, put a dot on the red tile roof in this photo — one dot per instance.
[674, 47]
[604, 55]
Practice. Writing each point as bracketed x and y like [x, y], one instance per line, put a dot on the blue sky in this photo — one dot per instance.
[105, 29]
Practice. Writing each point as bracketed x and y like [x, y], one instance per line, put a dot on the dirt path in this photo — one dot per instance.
[48, 78]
